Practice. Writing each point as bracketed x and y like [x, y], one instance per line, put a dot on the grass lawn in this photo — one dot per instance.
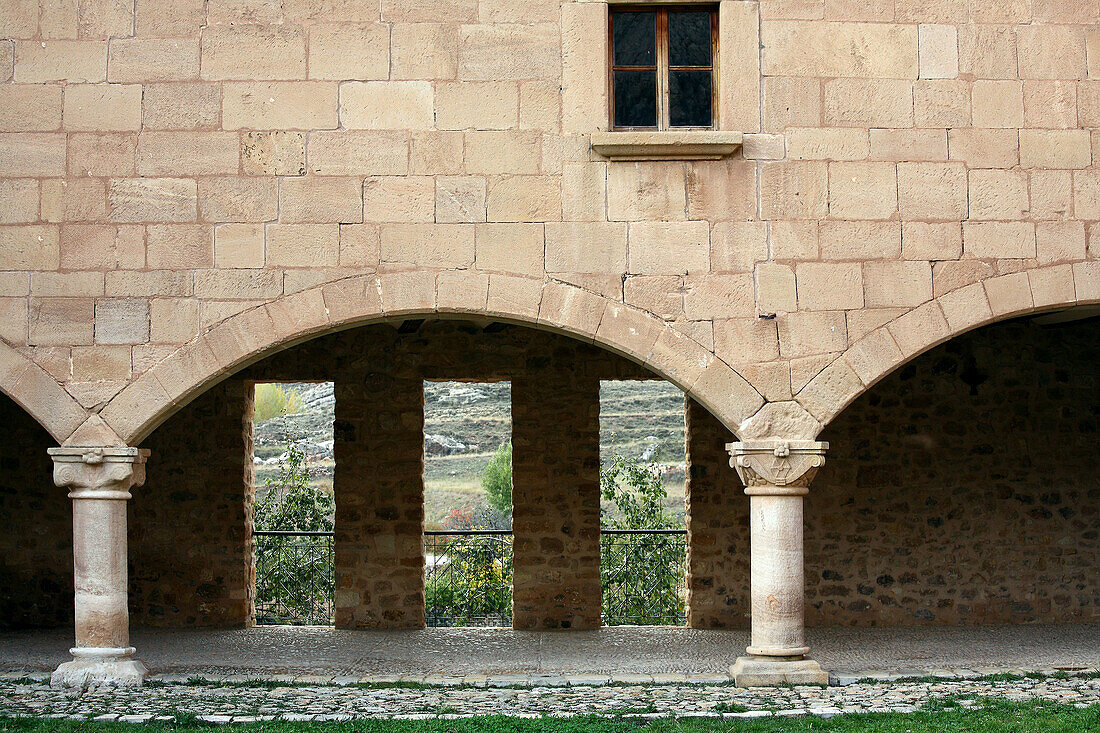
[992, 716]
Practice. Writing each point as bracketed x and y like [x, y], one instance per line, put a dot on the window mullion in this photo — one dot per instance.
[662, 71]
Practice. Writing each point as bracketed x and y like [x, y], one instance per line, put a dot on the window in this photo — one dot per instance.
[663, 67]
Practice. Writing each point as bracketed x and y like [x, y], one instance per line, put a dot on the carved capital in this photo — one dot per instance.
[777, 466]
[98, 472]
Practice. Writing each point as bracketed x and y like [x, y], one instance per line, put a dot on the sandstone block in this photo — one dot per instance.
[984, 148]
[515, 248]
[829, 286]
[661, 295]
[998, 195]
[1055, 148]
[721, 190]
[668, 248]
[7, 60]
[931, 241]
[119, 321]
[180, 246]
[77, 200]
[251, 51]
[509, 51]
[1050, 104]
[737, 246]
[424, 51]
[939, 51]
[18, 201]
[897, 284]
[321, 199]
[791, 103]
[1051, 285]
[827, 143]
[173, 320]
[459, 199]
[102, 155]
[1051, 51]
[869, 103]
[95, 363]
[19, 19]
[807, 333]
[540, 105]
[909, 145]
[239, 245]
[148, 284]
[360, 246]
[419, 11]
[510, 151]
[303, 245]
[999, 239]
[102, 247]
[988, 51]
[584, 65]
[153, 59]
[60, 321]
[277, 153]
[397, 198]
[386, 105]
[739, 66]
[375, 153]
[932, 191]
[238, 199]
[966, 307]
[859, 240]
[1060, 241]
[793, 240]
[1092, 45]
[428, 245]
[584, 191]
[186, 106]
[813, 49]
[776, 289]
[941, 103]
[69, 61]
[919, 329]
[746, 340]
[1009, 294]
[66, 284]
[342, 52]
[170, 18]
[152, 199]
[102, 108]
[706, 297]
[794, 190]
[646, 191]
[524, 198]
[29, 247]
[432, 152]
[188, 154]
[237, 284]
[595, 247]
[476, 105]
[29, 108]
[863, 190]
[997, 103]
[306, 105]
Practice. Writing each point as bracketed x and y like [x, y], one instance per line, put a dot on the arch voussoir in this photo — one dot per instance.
[33, 389]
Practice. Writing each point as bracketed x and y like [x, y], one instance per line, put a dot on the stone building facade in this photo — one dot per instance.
[188, 187]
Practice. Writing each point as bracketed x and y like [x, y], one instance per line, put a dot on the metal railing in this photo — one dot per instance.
[295, 578]
[468, 577]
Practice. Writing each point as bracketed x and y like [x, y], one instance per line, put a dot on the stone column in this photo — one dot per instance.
[556, 500]
[99, 481]
[777, 476]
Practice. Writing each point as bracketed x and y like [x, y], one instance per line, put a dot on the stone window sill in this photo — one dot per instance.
[667, 144]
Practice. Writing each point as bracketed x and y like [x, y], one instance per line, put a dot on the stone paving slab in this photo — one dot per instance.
[665, 655]
[223, 703]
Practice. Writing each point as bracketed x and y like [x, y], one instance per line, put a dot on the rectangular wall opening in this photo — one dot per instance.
[294, 510]
[468, 503]
[643, 537]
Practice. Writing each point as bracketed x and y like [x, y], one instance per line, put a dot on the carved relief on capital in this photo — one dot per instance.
[789, 464]
[98, 472]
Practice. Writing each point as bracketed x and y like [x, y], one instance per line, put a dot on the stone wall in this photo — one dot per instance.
[36, 544]
[717, 525]
[556, 498]
[379, 487]
[964, 488]
[190, 524]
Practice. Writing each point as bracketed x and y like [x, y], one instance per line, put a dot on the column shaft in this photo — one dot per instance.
[778, 580]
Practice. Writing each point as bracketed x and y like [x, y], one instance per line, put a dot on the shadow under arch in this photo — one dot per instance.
[887, 348]
[359, 300]
[39, 394]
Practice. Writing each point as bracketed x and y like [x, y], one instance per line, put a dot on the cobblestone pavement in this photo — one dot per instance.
[240, 703]
[418, 656]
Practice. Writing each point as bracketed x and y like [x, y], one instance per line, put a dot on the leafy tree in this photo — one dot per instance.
[642, 575]
[497, 479]
[273, 400]
[291, 502]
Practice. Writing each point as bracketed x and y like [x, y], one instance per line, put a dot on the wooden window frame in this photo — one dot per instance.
[662, 66]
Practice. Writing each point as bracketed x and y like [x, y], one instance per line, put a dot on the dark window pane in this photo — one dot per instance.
[635, 98]
[689, 99]
[689, 39]
[635, 39]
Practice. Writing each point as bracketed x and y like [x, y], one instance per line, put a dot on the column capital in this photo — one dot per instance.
[777, 466]
[98, 472]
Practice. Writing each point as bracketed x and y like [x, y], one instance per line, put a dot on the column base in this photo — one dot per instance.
[91, 667]
[772, 671]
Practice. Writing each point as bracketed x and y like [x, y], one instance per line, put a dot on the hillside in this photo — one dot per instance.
[466, 422]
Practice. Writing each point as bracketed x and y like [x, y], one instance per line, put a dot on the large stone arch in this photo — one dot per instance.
[897, 342]
[544, 303]
[33, 389]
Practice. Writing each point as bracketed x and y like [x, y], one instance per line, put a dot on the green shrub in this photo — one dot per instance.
[273, 400]
[497, 479]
